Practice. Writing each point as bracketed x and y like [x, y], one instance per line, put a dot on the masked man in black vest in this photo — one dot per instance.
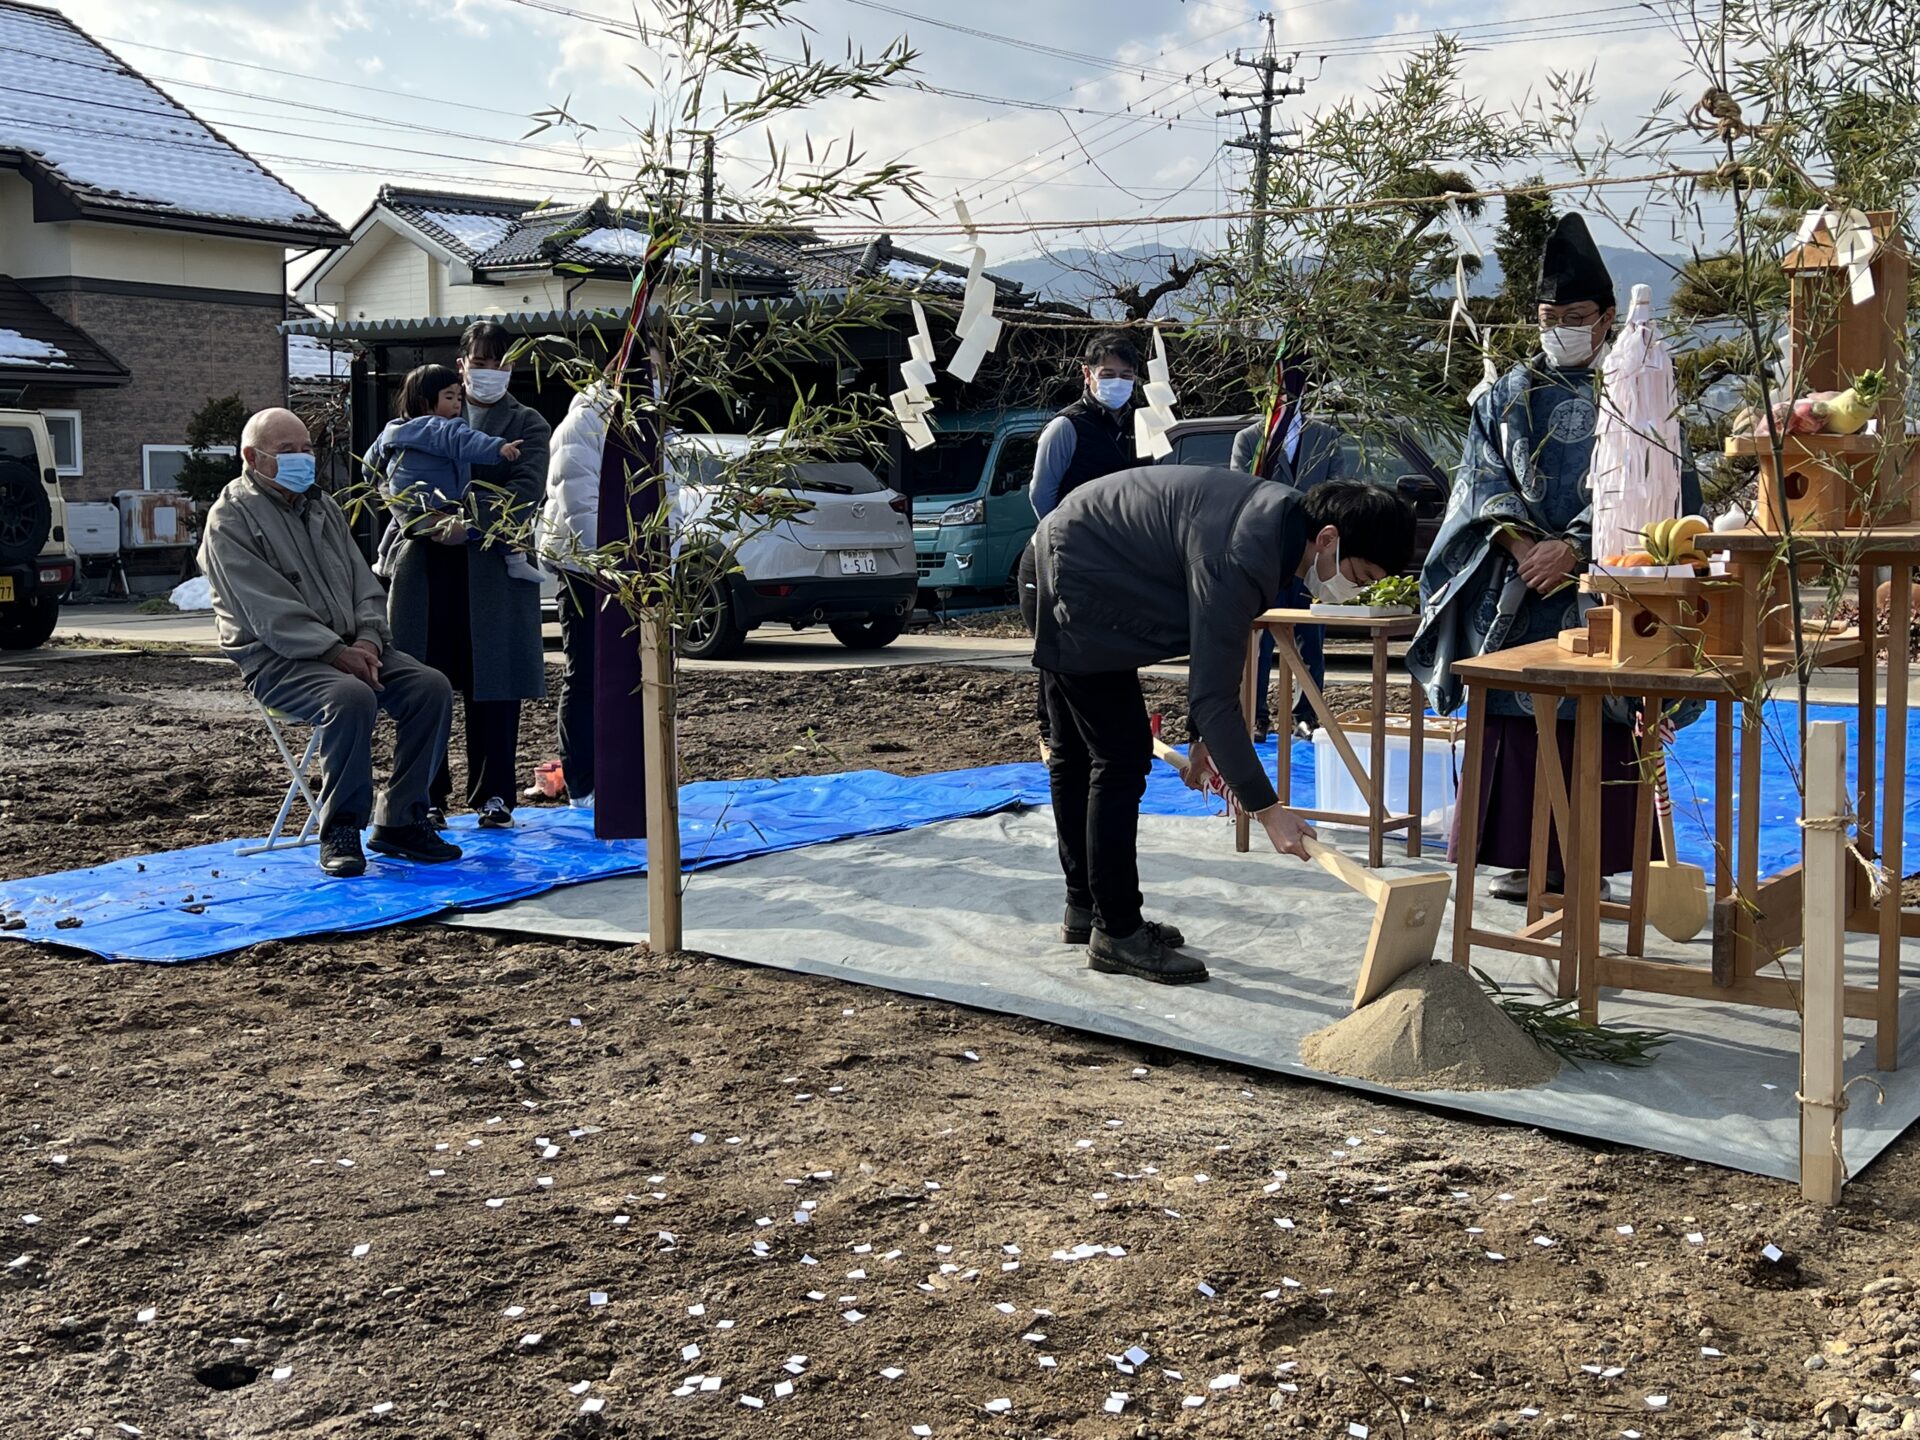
[1092, 437]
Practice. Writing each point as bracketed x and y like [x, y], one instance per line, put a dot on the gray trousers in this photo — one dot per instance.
[344, 709]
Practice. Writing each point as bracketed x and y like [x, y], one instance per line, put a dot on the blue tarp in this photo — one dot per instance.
[189, 904]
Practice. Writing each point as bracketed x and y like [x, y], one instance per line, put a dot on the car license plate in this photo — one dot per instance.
[6, 589]
[858, 562]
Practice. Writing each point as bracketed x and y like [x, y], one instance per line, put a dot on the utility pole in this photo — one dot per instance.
[706, 219]
[1270, 68]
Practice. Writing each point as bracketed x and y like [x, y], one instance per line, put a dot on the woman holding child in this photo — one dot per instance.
[465, 467]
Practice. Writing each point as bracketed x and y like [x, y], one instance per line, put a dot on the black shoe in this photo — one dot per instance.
[436, 817]
[1509, 885]
[1077, 929]
[413, 842]
[1143, 956]
[494, 815]
[340, 852]
[1262, 727]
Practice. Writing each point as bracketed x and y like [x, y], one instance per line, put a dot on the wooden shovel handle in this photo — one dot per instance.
[1342, 867]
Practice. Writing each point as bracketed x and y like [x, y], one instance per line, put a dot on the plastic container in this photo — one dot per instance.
[1334, 790]
[154, 519]
[93, 527]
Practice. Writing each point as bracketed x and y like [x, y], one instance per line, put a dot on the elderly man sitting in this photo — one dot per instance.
[306, 621]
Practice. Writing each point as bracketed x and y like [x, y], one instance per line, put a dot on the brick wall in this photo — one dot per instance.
[181, 352]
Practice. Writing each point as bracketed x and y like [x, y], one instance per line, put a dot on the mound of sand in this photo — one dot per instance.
[1433, 1029]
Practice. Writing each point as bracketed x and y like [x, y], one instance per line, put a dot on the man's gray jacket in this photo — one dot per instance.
[1145, 565]
[287, 577]
[1316, 460]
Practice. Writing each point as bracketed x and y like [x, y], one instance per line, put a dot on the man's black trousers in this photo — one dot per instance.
[1102, 748]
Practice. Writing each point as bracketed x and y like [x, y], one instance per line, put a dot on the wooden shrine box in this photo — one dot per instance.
[1842, 482]
[1664, 624]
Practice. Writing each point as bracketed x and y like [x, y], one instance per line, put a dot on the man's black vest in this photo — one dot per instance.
[1100, 446]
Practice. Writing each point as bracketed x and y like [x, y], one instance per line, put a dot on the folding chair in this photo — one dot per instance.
[278, 838]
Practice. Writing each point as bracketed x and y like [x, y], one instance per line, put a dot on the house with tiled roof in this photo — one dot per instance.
[142, 258]
[421, 265]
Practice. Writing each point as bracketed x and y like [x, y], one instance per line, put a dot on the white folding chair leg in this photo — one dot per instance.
[277, 838]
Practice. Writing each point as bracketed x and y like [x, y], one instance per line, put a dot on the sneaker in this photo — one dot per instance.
[1262, 728]
[1303, 730]
[494, 815]
[340, 852]
[436, 818]
[1509, 885]
[1077, 929]
[580, 802]
[1144, 956]
[421, 843]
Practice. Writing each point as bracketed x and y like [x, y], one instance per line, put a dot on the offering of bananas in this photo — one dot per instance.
[1667, 542]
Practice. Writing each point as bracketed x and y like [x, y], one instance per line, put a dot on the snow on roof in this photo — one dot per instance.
[610, 240]
[478, 233]
[110, 138]
[18, 349]
[919, 272]
[309, 359]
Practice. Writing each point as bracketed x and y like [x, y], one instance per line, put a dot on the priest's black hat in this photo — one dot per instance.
[1571, 270]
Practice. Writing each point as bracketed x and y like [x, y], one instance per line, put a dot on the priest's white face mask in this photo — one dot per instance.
[1571, 335]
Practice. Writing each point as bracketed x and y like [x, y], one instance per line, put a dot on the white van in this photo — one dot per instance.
[37, 563]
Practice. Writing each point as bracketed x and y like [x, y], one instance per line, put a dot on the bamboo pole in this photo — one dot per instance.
[1822, 966]
[659, 693]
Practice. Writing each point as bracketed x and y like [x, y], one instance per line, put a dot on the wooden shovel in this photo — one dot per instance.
[1676, 893]
[1406, 912]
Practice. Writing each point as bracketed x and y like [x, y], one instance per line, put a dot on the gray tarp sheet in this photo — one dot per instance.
[968, 910]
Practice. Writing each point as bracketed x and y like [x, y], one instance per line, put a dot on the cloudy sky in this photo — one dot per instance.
[338, 95]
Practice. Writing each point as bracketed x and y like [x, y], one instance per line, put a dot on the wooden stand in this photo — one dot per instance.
[1842, 482]
[1291, 669]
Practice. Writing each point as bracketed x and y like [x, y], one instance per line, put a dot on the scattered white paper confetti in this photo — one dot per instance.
[1623, 1230]
[1047, 1362]
[752, 1402]
[596, 1297]
[782, 1389]
[710, 1383]
[1357, 1431]
[1004, 1308]
[1657, 1402]
[920, 1430]
[1773, 1253]
[551, 1152]
[532, 1338]
[126, 1429]
[1194, 1402]
[892, 1372]
[594, 1405]
[969, 1055]
[998, 1407]
[1116, 1402]
[1710, 1353]
[145, 1317]
[29, 1219]
[56, 1159]
[285, 1372]
[689, 1353]
[1224, 1382]
[361, 1250]
[1206, 1289]
[1495, 1255]
[19, 1262]
[435, 1174]
[514, 1312]
[623, 1219]
[698, 1138]
[495, 1204]
[385, 1407]
[852, 1317]
[1544, 1242]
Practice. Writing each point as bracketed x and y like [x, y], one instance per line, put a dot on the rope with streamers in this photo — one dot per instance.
[1879, 882]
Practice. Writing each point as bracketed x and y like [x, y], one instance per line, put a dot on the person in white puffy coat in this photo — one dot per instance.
[568, 528]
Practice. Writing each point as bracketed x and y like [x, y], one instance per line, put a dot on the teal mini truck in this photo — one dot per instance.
[972, 505]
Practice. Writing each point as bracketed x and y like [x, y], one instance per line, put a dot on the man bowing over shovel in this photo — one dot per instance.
[1140, 567]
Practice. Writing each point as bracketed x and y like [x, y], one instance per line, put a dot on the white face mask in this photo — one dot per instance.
[1113, 392]
[1568, 345]
[1335, 589]
[486, 387]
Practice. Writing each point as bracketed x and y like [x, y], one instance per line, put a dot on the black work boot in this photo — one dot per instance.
[1076, 928]
[416, 842]
[1144, 956]
[340, 852]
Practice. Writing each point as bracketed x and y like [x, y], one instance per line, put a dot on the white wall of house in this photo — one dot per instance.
[129, 253]
[394, 280]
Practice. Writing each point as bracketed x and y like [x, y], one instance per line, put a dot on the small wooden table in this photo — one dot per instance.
[1378, 822]
[1769, 921]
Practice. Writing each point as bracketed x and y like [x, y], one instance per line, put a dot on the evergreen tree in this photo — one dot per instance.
[1519, 241]
[217, 423]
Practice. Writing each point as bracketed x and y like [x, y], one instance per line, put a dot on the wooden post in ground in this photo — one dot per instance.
[1823, 965]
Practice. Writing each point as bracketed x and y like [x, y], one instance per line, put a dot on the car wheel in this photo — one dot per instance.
[26, 514]
[711, 628]
[28, 625]
[873, 633]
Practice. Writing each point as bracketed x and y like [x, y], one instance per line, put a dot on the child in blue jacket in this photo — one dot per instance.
[427, 457]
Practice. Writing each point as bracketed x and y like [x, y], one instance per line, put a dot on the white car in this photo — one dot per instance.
[844, 560]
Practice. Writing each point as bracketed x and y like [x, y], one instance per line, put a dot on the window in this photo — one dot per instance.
[160, 465]
[1013, 468]
[1204, 447]
[63, 426]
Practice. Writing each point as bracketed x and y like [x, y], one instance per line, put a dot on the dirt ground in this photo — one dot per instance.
[570, 1165]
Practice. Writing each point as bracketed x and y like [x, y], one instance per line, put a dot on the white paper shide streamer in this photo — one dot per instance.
[979, 329]
[1853, 246]
[1465, 247]
[1156, 417]
[915, 403]
[1636, 443]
